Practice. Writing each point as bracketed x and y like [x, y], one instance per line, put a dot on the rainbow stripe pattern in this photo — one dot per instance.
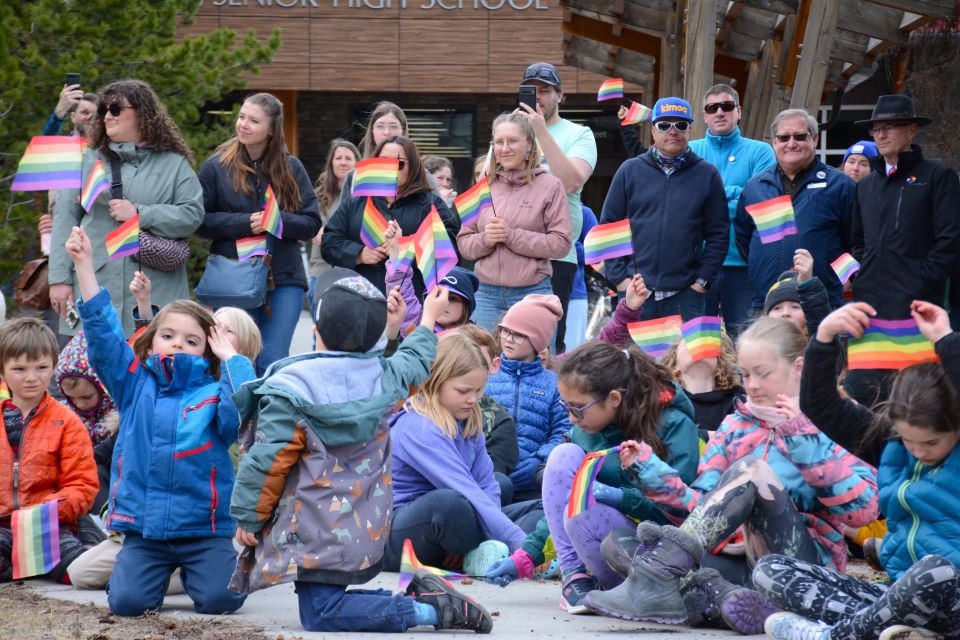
[581, 492]
[376, 177]
[95, 184]
[656, 336]
[373, 228]
[471, 203]
[774, 219]
[890, 344]
[251, 246]
[636, 113]
[610, 240]
[434, 250]
[845, 266]
[702, 337]
[407, 251]
[409, 565]
[610, 90]
[124, 240]
[271, 221]
[50, 162]
[36, 540]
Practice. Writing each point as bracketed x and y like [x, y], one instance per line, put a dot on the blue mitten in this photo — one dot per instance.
[605, 494]
[522, 476]
[502, 573]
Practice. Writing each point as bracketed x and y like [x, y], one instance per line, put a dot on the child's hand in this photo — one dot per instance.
[629, 450]
[434, 304]
[393, 240]
[140, 288]
[803, 265]
[79, 248]
[852, 318]
[396, 312]
[246, 538]
[392, 232]
[637, 292]
[934, 323]
[219, 344]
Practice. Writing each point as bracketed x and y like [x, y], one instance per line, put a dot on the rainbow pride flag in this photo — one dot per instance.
[251, 246]
[36, 540]
[271, 221]
[636, 114]
[610, 90]
[95, 184]
[124, 240]
[471, 203]
[581, 492]
[890, 344]
[376, 177]
[407, 251]
[373, 228]
[845, 266]
[435, 253]
[50, 162]
[656, 336]
[702, 337]
[409, 565]
[774, 219]
[610, 240]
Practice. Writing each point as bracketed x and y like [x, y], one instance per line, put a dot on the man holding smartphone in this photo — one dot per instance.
[72, 97]
[569, 153]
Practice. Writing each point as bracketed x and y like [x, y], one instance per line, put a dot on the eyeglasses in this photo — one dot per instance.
[663, 125]
[114, 109]
[509, 142]
[885, 130]
[713, 107]
[542, 71]
[382, 126]
[785, 137]
[580, 412]
[512, 336]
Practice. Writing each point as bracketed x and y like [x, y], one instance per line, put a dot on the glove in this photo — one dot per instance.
[522, 476]
[605, 494]
[518, 565]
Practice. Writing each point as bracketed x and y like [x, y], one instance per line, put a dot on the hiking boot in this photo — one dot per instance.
[454, 610]
[790, 626]
[478, 561]
[903, 632]
[710, 598]
[575, 587]
[651, 592]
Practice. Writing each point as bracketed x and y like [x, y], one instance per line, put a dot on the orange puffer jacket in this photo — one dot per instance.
[55, 462]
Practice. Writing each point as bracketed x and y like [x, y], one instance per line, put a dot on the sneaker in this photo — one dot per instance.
[575, 588]
[790, 626]
[478, 561]
[903, 632]
[454, 610]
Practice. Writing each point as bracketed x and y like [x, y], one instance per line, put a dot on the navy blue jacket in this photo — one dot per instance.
[822, 207]
[679, 222]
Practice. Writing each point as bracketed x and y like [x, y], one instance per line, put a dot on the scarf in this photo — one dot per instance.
[767, 415]
[667, 163]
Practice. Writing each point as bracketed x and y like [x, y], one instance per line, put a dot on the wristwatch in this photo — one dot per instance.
[703, 283]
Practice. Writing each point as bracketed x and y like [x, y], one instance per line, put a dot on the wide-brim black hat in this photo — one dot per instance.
[895, 109]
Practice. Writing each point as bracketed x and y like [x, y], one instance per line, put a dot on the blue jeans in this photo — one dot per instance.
[277, 330]
[686, 302]
[493, 301]
[331, 607]
[140, 577]
[730, 296]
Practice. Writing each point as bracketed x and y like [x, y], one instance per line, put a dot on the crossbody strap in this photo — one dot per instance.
[116, 180]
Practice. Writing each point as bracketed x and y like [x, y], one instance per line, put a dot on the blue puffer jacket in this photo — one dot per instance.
[737, 159]
[529, 392]
[172, 475]
[921, 505]
[823, 209]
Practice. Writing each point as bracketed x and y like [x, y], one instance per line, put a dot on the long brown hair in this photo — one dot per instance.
[275, 162]
[416, 175]
[379, 110]
[158, 131]
[327, 186]
[143, 345]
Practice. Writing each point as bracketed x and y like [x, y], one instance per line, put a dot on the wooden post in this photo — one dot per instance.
[670, 76]
[814, 60]
[757, 109]
[698, 57]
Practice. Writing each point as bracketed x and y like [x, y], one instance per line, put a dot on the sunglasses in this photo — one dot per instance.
[401, 164]
[785, 137]
[114, 109]
[663, 126]
[713, 107]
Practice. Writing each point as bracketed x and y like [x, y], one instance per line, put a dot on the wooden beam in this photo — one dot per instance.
[594, 29]
[934, 8]
[748, 25]
[670, 69]
[793, 40]
[743, 47]
[633, 14]
[607, 60]
[814, 63]
[699, 54]
[785, 7]
[756, 104]
[871, 20]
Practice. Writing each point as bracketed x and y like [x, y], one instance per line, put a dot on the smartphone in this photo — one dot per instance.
[528, 96]
[72, 79]
[73, 318]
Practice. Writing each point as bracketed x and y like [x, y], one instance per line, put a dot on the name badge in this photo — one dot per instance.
[816, 185]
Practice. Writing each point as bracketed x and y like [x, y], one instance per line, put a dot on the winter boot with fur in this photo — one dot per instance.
[713, 601]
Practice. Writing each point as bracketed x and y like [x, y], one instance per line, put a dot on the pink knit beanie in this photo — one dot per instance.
[536, 316]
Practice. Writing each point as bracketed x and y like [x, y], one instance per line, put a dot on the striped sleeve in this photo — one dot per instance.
[661, 484]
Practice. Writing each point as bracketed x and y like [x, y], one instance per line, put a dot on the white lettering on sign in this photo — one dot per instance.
[426, 5]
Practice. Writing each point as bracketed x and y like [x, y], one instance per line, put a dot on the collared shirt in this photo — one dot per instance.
[790, 186]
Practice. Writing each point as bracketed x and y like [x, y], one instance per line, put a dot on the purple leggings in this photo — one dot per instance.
[577, 540]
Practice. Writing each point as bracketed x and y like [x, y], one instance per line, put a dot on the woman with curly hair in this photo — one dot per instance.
[158, 185]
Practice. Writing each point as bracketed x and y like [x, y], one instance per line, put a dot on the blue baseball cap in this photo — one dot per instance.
[864, 147]
[672, 108]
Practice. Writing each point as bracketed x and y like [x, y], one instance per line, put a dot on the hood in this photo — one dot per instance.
[74, 363]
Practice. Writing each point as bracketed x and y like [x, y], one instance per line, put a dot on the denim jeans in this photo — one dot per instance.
[493, 301]
[277, 330]
[686, 302]
[730, 296]
[331, 607]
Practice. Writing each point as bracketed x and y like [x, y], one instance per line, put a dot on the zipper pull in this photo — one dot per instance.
[766, 448]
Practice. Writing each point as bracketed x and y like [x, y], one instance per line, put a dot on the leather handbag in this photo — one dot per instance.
[32, 288]
[234, 283]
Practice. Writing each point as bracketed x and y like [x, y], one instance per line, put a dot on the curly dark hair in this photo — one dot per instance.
[158, 131]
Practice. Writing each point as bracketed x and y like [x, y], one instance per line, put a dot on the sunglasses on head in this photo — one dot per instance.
[663, 126]
[114, 109]
[799, 137]
[713, 107]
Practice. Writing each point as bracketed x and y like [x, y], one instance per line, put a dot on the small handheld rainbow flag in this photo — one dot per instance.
[271, 221]
[774, 219]
[636, 114]
[435, 253]
[610, 240]
[471, 203]
[373, 228]
[251, 246]
[845, 266]
[581, 492]
[409, 565]
[702, 337]
[610, 89]
[50, 162]
[890, 344]
[124, 240]
[655, 336]
[36, 540]
[407, 250]
[95, 184]
[376, 177]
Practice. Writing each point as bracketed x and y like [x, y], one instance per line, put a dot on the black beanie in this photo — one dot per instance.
[785, 288]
